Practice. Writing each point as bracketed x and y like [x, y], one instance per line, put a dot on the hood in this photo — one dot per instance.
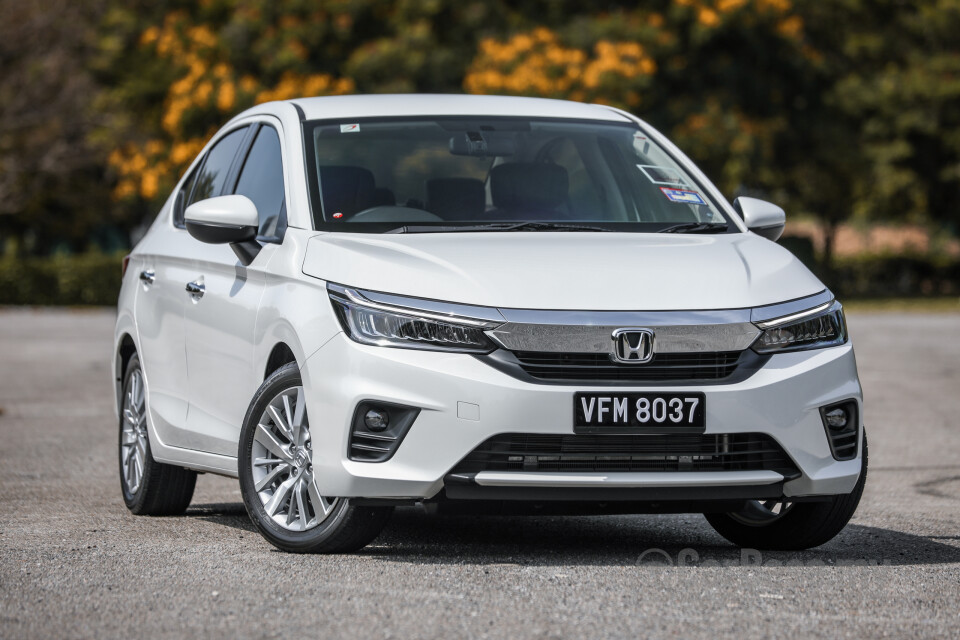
[566, 270]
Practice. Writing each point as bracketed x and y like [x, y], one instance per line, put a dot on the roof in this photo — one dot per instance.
[379, 105]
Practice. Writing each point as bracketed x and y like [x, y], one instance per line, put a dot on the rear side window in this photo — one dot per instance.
[261, 180]
[213, 173]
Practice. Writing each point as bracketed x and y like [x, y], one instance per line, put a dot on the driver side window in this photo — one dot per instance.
[209, 176]
[261, 180]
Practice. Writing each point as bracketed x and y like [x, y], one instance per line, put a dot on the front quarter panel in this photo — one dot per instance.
[295, 308]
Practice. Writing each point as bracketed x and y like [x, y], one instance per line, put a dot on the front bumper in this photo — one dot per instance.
[464, 402]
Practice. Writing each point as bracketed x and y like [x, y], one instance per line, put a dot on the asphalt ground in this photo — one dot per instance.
[75, 563]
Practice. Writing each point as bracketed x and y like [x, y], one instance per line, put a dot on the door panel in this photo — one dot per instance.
[170, 259]
[221, 323]
[160, 325]
[220, 328]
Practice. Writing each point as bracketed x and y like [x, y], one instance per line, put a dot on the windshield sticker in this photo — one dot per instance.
[640, 145]
[681, 195]
[349, 128]
[662, 175]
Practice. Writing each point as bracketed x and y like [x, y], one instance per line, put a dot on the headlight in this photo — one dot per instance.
[822, 326]
[384, 325]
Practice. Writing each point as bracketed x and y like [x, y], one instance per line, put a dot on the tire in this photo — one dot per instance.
[161, 489]
[288, 509]
[801, 526]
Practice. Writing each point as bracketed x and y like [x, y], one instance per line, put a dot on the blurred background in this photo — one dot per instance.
[844, 112]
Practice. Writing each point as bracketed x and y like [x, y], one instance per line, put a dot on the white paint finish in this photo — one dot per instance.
[220, 334]
[231, 211]
[627, 480]
[161, 337]
[468, 411]
[294, 310]
[563, 270]
[400, 105]
[781, 400]
[762, 217]
[125, 325]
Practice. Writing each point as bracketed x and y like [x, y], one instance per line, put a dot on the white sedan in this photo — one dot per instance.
[478, 303]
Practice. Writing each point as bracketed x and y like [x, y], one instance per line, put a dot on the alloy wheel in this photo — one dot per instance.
[282, 465]
[759, 513]
[133, 439]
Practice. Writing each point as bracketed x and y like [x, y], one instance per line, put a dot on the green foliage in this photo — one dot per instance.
[902, 86]
[78, 279]
[833, 108]
[885, 276]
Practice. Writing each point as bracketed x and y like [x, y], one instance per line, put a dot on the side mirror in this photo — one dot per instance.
[763, 218]
[229, 220]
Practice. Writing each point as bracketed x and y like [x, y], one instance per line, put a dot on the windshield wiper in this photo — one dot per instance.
[497, 226]
[697, 227]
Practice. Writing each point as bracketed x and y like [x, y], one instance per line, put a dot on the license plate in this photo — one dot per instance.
[670, 412]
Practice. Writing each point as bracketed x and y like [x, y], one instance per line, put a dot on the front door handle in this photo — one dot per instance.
[147, 276]
[195, 289]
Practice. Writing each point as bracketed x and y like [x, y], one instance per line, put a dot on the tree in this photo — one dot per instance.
[52, 189]
[901, 84]
[829, 107]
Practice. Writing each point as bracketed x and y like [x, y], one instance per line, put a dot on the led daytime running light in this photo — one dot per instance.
[825, 329]
[381, 325]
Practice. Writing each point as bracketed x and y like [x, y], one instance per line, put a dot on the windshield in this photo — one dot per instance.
[474, 173]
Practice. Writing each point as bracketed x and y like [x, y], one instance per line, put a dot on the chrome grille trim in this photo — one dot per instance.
[668, 338]
[576, 331]
[625, 318]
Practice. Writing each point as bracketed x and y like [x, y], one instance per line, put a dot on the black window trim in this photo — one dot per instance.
[180, 200]
[233, 177]
[178, 220]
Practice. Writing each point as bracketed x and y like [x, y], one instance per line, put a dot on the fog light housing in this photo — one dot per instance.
[376, 420]
[378, 428]
[842, 425]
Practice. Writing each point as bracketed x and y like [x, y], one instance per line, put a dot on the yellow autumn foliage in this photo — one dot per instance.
[207, 88]
[537, 63]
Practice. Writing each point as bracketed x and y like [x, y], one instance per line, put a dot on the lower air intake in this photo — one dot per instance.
[679, 452]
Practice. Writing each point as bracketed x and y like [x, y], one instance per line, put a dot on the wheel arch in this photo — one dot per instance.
[277, 345]
[125, 350]
[280, 355]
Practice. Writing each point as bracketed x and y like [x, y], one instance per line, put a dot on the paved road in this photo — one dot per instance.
[75, 563]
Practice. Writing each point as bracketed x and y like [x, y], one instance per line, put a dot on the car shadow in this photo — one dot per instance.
[649, 540]
[230, 514]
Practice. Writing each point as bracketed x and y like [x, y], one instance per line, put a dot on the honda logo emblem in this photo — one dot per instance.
[634, 346]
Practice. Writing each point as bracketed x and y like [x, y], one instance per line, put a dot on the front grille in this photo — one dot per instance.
[599, 366]
[679, 452]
